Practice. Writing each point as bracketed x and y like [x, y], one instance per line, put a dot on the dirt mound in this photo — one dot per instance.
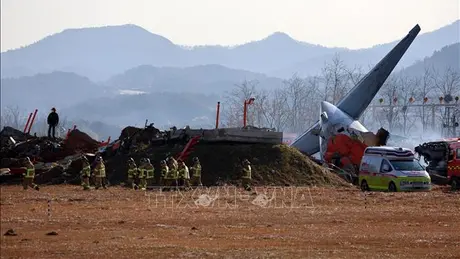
[277, 165]
[221, 163]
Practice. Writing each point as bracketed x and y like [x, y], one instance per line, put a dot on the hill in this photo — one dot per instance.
[447, 57]
[423, 46]
[42, 91]
[162, 108]
[198, 79]
[164, 95]
[99, 53]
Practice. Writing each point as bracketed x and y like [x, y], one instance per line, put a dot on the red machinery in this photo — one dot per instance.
[343, 151]
[443, 159]
[188, 148]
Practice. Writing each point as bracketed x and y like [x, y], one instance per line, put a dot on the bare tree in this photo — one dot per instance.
[407, 90]
[336, 79]
[388, 93]
[14, 117]
[447, 82]
[234, 100]
[354, 75]
[311, 112]
[425, 89]
[259, 109]
[298, 98]
[275, 110]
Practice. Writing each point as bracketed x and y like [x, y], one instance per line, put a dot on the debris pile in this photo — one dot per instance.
[53, 158]
[58, 161]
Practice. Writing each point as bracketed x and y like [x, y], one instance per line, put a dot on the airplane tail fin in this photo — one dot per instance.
[370, 84]
[359, 98]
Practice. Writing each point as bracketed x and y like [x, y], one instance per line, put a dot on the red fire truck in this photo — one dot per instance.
[443, 159]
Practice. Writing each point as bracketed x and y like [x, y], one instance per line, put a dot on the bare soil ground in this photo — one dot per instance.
[278, 223]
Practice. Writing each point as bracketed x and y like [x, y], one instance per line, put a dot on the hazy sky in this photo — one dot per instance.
[343, 23]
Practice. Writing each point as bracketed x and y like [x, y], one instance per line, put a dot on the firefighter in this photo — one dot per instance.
[149, 172]
[164, 174]
[29, 175]
[172, 162]
[85, 173]
[173, 173]
[246, 176]
[99, 173]
[195, 169]
[142, 174]
[132, 173]
[184, 175]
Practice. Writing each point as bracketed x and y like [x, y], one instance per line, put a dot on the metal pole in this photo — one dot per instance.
[32, 122]
[245, 110]
[390, 119]
[448, 122]
[423, 119]
[217, 115]
[27, 123]
[454, 133]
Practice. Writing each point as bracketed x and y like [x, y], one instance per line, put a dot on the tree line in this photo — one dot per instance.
[295, 105]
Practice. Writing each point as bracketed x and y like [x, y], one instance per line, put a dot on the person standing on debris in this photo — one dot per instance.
[142, 174]
[53, 121]
[99, 173]
[29, 175]
[246, 176]
[132, 173]
[149, 172]
[85, 173]
[195, 169]
[184, 175]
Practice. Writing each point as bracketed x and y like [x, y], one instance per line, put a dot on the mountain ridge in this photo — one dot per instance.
[102, 52]
[162, 94]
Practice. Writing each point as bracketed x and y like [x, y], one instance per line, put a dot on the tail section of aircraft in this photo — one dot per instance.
[359, 98]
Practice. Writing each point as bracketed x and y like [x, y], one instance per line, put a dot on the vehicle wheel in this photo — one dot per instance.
[364, 186]
[392, 187]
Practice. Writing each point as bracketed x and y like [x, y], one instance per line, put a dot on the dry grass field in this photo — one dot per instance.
[229, 223]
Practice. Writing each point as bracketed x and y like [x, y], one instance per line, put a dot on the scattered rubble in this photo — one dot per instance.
[221, 153]
[10, 232]
[53, 158]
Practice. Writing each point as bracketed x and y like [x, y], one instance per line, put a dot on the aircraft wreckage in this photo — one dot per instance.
[342, 120]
